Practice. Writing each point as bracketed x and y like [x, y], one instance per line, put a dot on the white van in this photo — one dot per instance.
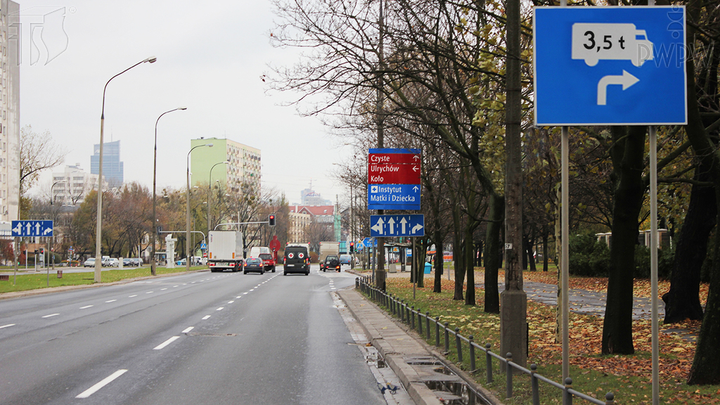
[255, 251]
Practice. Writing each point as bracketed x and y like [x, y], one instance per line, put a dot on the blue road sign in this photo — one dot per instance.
[393, 196]
[397, 225]
[609, 66]
[32, 228]
[369, 242]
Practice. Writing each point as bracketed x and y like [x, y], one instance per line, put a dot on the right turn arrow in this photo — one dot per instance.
[626, 80]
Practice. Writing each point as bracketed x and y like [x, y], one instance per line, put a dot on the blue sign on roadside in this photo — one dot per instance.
[397, 225]
[32, 228]
[609, 66]
[369, 242]
[394, 196]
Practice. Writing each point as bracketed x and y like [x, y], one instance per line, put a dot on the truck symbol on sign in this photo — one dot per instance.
[593, 42]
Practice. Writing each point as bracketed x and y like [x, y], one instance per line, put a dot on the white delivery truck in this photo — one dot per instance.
[225, 250]
[328, 248]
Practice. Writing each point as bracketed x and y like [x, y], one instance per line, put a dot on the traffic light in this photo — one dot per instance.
[352, 247]
[271, 219]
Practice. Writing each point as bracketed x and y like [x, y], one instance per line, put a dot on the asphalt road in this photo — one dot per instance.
[220, 338]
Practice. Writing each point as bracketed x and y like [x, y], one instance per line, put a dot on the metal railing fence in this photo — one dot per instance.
[407, 314]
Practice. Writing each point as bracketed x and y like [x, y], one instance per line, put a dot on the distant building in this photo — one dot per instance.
[71, 186]
[321, 214]
[309, 197]
[9, 111]
[244, 164]
[299, 221]
[112, 166]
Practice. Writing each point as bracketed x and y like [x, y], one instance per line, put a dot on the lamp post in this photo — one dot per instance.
[98, 228]
[52, 248]
[154, 219]
[210, 190]
[187, 210]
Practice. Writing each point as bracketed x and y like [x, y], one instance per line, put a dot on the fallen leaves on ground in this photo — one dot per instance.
[677, 341]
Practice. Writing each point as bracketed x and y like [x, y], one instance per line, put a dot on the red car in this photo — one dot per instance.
[268, 261]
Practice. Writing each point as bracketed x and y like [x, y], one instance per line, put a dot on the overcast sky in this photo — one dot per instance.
[211, 56]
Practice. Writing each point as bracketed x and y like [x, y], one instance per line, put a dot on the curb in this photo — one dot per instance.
[40, 291]
[409, 375]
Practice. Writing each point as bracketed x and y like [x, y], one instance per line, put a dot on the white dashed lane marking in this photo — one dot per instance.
[95, 388]
[165, 343]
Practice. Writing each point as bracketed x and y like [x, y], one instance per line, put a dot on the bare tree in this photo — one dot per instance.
[37, 153]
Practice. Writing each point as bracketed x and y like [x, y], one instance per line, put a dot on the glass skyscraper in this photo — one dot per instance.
[112, 166]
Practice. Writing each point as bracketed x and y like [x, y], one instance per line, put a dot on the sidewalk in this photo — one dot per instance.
[408, 356]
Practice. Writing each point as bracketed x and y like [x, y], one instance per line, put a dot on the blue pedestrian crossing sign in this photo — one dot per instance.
[32, 228]
[397, 225]
[609, 66]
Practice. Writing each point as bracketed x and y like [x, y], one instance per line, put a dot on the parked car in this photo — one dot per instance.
[180, 262]
[296, 260]
[331, 262]
[268, 261]
[113, 262]
[131, 262]
[89, 262]
[253, 264]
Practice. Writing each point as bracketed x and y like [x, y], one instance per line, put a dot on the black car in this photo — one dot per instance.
[296, 260]
[331, 262]
[253, 264]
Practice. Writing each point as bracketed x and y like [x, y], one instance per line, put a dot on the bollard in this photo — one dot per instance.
[472, 354]
[488, 363]
[437, 332]
[402, 310]
[419, 315]
[427, 325]
[534, 385]
[567, 396]
[458, 345]
[447, 338]
[508, 375]
[357, 283]
[609, 398]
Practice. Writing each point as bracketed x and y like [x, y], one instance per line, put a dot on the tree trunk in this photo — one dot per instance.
[469, 250]
[683, 300]
[628, 164]
[437, 285]
[706, 367]
[421, 246]
[492, 254]
[459, 262]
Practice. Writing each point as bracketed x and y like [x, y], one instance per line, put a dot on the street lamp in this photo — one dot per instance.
[187, 210]
[210, 190]
[52, 248]
[98, 228]
[154, 220]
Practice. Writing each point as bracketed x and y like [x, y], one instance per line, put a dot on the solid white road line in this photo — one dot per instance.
[51, 315]
[95, 388]
[188, 329]
[165, 343]
[7, 326]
